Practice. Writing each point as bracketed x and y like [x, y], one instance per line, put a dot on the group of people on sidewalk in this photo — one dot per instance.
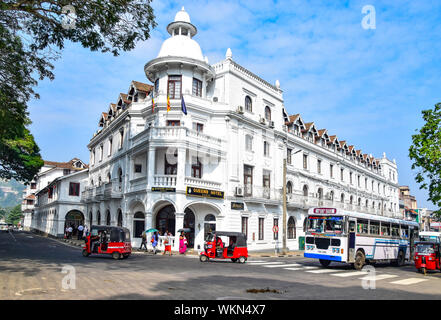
[183, 242]
[81, 231]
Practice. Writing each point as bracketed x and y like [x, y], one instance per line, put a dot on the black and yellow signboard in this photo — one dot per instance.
[237, 206]
[163, 189]
[199, 192]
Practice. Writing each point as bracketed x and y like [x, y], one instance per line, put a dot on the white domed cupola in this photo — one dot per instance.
[180, 49]
[182, 25]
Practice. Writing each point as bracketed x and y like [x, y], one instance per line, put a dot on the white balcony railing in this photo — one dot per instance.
[196, 182]
[164, 180]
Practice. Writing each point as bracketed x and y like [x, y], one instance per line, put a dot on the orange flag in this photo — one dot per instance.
[168, 103]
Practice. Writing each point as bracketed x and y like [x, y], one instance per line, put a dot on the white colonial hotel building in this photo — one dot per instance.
[221, 165]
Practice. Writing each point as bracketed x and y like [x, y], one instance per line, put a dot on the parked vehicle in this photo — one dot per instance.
[427, 256]
[108, 240]
[3, 227]
[215, 248]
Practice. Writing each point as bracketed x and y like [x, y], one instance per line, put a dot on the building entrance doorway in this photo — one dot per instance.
[189, 222]
[165, 220]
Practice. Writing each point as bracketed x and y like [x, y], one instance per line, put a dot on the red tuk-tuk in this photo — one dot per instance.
[108, 240]
[215, 248]
[427, 256]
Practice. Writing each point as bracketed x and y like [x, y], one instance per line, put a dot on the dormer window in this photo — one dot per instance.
[184, 32]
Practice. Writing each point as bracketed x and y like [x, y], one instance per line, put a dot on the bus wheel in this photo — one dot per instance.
[360, 260]
[116, 255]
[85, 253]
[325, 263]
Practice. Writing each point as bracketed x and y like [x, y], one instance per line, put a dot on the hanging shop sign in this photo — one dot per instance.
[163, 189]
[237, 206]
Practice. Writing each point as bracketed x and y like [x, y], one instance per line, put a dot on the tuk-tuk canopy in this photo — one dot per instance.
[117, 234]
[241, 239]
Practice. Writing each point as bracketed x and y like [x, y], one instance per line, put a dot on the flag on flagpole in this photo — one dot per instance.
[153, 103]
[183, 107]
[168, 103]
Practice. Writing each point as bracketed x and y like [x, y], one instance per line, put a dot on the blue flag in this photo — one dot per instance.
[183, 107]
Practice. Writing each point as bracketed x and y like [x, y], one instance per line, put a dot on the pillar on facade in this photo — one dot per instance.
[151, 166]
[148, 220]
[181, 167]
[179, 224]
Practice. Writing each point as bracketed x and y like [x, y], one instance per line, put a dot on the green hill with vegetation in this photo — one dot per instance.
[11, 193]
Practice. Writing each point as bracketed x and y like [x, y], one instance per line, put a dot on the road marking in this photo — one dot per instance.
[379, 277]
[309, 268]
[293, 269]
[262, 263]
[10, 233]
[325, 270]
[251, 261]
[283, 265]
[409, 281]
[350, 274]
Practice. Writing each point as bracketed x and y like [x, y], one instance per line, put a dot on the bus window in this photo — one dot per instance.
[374, 227]
[395, 230]
[362, 226]
[385, 229]
[404, 232]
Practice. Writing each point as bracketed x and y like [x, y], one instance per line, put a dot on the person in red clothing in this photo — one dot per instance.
[219, 247]
[167, 242]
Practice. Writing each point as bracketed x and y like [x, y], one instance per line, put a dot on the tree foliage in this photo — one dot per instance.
[14, 216]
[426, 154]
[32, 34]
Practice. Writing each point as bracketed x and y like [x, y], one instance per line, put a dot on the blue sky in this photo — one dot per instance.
[366, 86]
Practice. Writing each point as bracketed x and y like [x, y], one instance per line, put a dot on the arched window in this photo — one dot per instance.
[99, 181]
[305, 190]
[120, 218]
[248, 104]
[138, 224]
[90, 218]
[359, 202]
[98, 218]
[267, 113]
[342, 198]
[320, 193]
[331, 195]
[107, 218]
[120, 175]
[351, 200]
[108, 177]
[291, 228]
[367, 203]
[289, 187]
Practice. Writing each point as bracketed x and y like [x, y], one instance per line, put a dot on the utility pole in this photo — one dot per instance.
[284, 250]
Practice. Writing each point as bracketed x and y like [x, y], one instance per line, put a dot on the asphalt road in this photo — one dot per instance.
[31, 267]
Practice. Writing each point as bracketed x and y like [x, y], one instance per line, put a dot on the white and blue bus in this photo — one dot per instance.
[352, 237]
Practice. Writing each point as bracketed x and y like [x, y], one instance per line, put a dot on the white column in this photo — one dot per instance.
[151, 167]
[181, 168]
[179, 224]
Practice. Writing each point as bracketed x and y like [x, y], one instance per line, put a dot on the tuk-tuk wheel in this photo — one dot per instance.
[203, 258]
[242, 259]
[125, 256]
[116, 255]
[85, 253]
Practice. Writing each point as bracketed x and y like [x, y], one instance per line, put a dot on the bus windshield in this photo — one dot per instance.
[326, 224]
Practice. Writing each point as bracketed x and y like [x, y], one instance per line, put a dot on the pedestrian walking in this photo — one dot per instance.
[66, 232]
[69, 232]
[80, 232]
[154, 241]
[143, 241]
[182, 244]
[85, 231]
[167, 243]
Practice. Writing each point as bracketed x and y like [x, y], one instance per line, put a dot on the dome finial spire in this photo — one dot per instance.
[229, 54]
[183, 9]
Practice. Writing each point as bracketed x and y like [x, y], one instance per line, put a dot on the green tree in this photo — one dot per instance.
[32, 35]
[15, 215]
[426, 155]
